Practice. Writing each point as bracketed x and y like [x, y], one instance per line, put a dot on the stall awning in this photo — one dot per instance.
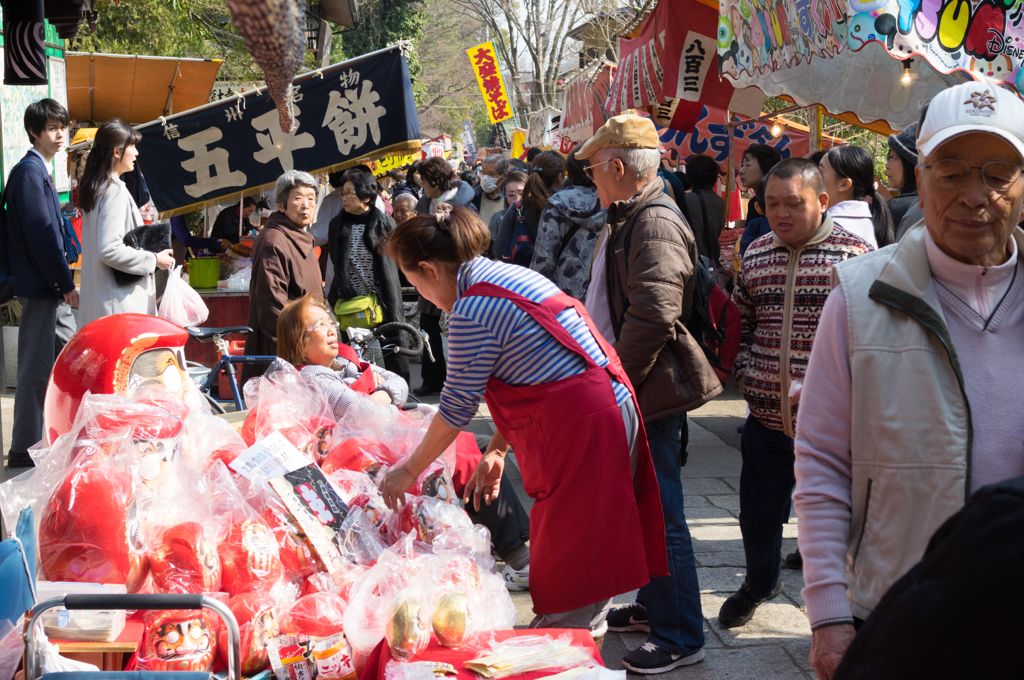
[136, 88]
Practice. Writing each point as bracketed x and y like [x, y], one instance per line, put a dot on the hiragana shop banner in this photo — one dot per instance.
[710, 137]
[484, 59]
[345, 114]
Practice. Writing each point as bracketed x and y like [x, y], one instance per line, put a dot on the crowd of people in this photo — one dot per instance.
[874, 332]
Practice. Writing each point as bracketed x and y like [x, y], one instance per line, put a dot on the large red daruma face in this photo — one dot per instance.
[254, 612]
[248, 557]
[178, 641]
[114, 354]
[183, 561]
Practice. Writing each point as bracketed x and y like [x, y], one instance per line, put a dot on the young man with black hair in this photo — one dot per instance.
[42, 279]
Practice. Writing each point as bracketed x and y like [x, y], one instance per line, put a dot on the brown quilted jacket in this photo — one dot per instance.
[650, 297]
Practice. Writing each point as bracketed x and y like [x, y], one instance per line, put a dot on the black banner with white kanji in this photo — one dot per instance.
[344, 112]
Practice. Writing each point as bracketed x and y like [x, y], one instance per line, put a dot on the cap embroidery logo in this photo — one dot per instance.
[981, 101]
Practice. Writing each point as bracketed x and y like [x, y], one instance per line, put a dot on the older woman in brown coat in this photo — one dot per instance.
[284, 266]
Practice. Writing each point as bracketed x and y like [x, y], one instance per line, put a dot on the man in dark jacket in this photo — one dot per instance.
[284, 265]
[640, 297]
[42, 280]
[226, 224]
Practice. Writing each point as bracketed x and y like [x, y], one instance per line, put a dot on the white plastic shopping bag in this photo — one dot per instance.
[181, 304]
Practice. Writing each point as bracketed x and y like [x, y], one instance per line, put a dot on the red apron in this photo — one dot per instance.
[595, 531]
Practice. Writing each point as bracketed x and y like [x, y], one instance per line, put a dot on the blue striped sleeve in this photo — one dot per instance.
[472, 353]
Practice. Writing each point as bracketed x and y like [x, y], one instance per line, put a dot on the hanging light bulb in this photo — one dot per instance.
[776, 130]
[906, 71]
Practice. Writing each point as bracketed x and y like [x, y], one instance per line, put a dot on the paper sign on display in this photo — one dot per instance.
[319, 509]
[270, 457]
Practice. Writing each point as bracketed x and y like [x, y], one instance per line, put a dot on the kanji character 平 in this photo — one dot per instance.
[277, 144]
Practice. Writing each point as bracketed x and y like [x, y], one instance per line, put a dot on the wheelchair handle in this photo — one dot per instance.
[406, 328]
[135, 602]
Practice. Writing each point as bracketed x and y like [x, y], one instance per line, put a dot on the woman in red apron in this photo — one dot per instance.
[560, 398]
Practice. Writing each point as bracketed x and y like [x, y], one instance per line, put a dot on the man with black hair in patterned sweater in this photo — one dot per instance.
[780, 290]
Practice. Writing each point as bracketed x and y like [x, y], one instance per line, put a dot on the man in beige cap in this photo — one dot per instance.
[913, 399]
[640, 298]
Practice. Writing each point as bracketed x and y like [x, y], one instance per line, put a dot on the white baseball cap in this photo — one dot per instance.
[972, 107]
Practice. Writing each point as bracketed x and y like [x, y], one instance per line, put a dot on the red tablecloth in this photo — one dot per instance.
[379, 657]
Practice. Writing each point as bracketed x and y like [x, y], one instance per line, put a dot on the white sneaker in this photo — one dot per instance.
[516, 580]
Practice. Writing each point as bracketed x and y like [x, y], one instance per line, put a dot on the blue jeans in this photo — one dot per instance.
[673, 602]
[766, 489]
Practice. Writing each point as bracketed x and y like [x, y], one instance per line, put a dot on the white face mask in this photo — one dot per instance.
[488, 184]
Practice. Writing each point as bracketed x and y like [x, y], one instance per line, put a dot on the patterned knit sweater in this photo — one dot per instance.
[780, 292]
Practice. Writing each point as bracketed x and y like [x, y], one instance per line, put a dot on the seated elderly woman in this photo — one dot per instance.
[307, 337]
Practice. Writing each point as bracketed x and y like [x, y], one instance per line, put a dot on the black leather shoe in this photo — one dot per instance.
[426, 391]
[794, 561]
[19, 460]
[741, 605]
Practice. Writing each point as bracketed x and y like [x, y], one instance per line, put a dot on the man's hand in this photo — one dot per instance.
[225, 244]
[165, 259]
[828, 645]
[71, 297]
[485, 480]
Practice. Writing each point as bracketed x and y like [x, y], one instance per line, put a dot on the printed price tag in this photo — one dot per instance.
[270, 457]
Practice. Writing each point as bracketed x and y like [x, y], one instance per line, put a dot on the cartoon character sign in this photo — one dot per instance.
[178, 640]
[101, 358]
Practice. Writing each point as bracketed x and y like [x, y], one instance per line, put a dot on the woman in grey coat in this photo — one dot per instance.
[110, 213]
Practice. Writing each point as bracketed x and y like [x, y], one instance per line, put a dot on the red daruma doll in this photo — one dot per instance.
[248, 557]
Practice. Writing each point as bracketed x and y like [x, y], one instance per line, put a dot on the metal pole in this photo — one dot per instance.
[729, 127]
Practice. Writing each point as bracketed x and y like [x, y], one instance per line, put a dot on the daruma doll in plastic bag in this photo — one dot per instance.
[254, 612]
[359, 454]
[178, 640]
[88, 531]
[182, 560]
[248, 557]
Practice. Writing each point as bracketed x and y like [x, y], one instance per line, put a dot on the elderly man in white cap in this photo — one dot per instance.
[913, 398]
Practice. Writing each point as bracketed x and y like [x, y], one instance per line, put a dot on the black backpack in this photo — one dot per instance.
[956, 614]
[715, 320]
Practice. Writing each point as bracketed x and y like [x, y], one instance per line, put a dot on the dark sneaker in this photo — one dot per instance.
[741, 605]
[794, 561]
[19, 460]
[651, 659]
[628, 618]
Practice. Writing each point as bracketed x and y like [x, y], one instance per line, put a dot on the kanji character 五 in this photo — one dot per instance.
[278, 144]
[352, 115]
[204, 159]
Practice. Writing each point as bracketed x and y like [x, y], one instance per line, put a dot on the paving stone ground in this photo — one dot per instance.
[776, 643]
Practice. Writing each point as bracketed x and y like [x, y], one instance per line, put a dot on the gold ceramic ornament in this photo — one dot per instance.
[452, 620]
[408, 628]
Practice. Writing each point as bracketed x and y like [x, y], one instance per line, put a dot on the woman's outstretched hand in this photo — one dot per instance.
[394, 485]
[485, 481]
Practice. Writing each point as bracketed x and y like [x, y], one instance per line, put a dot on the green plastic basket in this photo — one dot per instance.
[203, 272]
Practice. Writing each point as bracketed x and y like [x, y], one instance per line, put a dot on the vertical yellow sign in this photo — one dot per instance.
[484, 59]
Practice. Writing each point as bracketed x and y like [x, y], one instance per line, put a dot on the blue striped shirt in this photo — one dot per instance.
[492, 336]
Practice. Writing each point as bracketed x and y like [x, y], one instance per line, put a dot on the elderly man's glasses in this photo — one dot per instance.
[326, 324]
[590, 168]
[951, 173]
